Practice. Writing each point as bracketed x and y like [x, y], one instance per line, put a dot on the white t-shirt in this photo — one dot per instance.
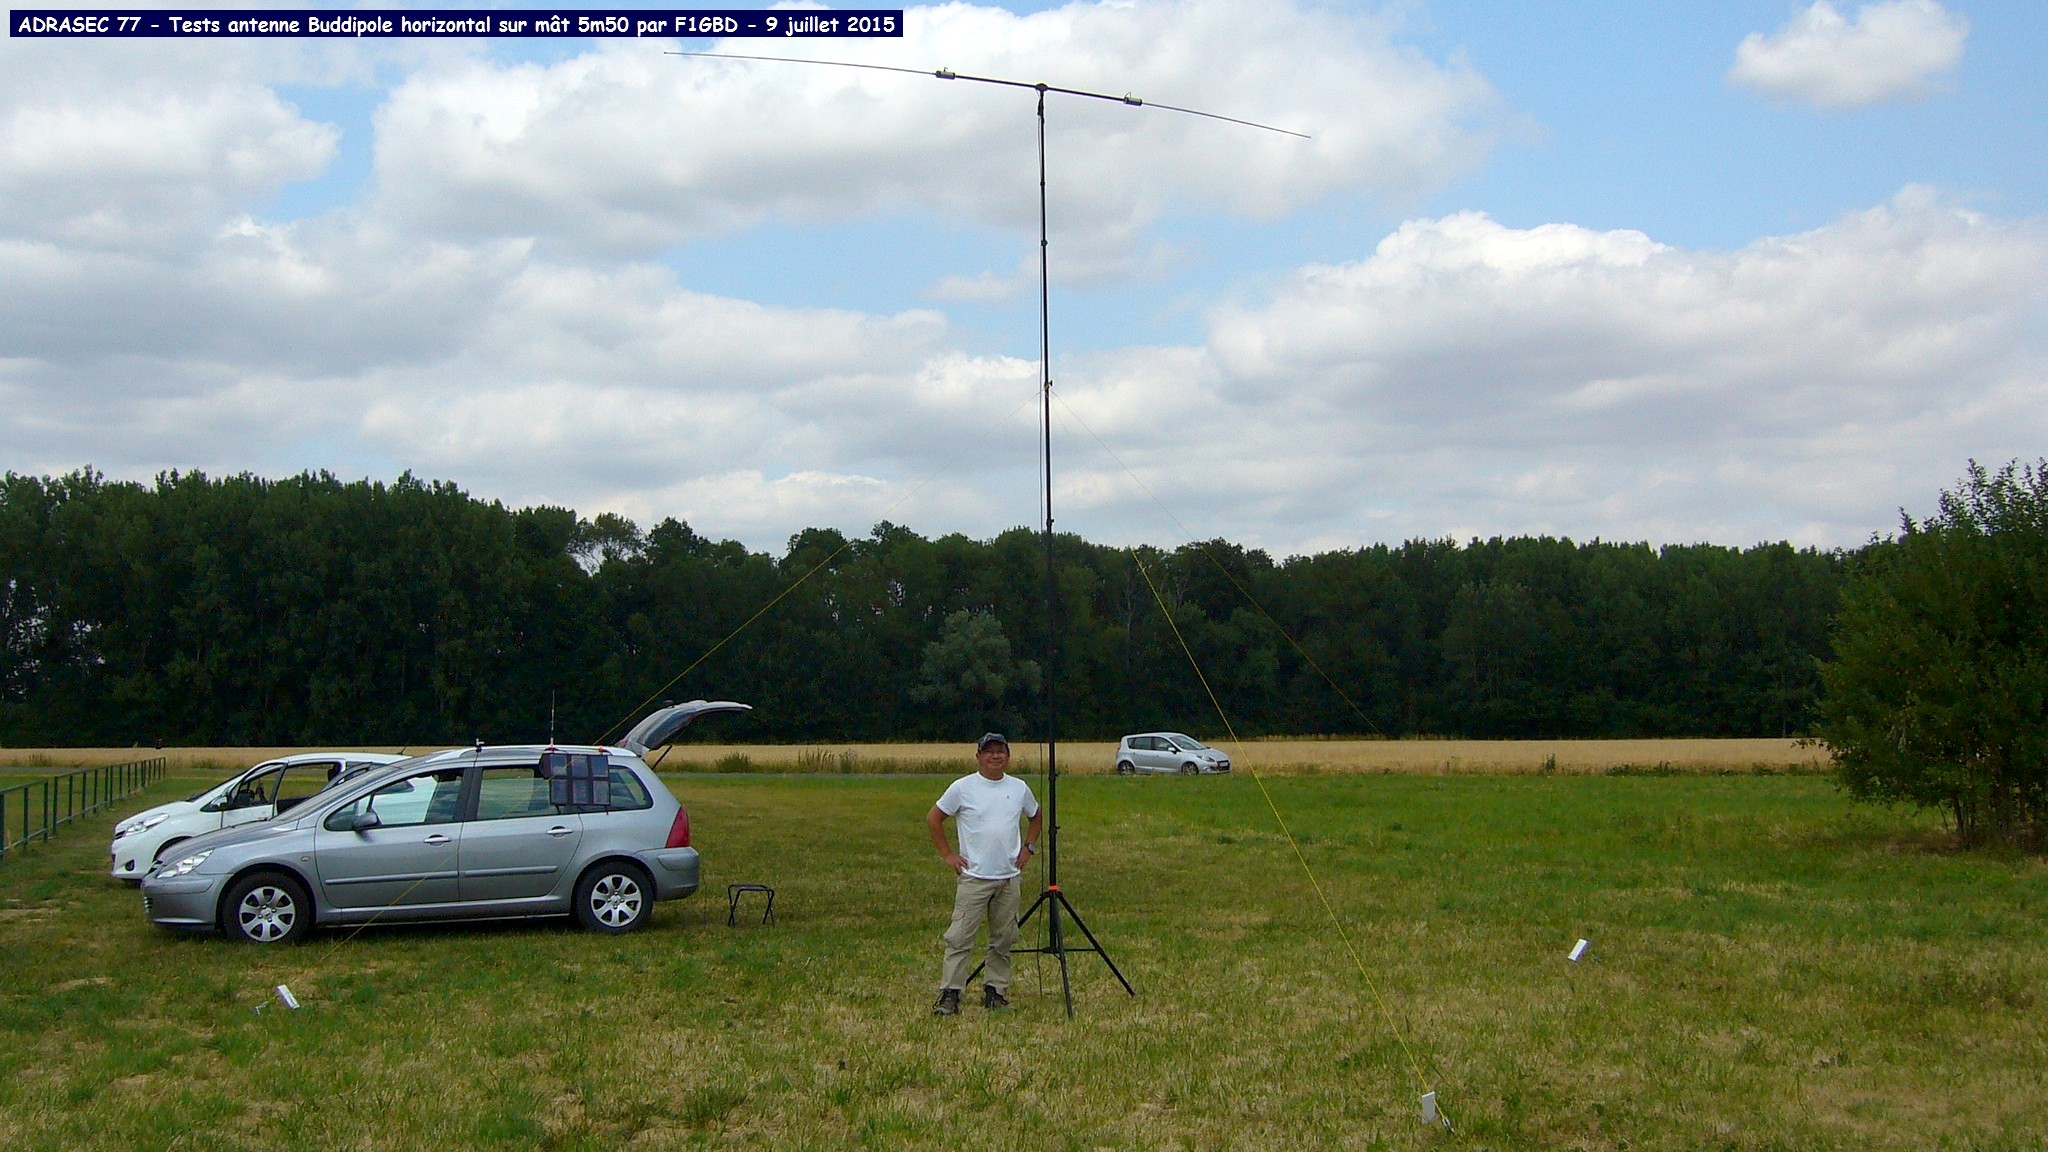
[986, 811]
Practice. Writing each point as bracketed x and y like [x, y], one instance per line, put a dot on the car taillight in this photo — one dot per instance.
[679, 832]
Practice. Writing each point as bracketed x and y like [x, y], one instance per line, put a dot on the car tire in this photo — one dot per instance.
[1125, 768]
[1189, 769]
[614, 897]
[267, 908]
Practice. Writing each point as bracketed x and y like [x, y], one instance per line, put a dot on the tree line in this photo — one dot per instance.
[241, 610]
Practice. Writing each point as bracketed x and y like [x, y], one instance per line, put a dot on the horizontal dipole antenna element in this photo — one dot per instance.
[949, 74]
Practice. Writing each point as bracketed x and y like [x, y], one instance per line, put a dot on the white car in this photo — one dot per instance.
[1168, 752]
[258, 794]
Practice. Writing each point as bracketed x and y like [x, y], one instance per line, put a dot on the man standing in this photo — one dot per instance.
[985, 808]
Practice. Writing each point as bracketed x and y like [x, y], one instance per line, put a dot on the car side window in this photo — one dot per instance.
[301, 781]
[509, 793]
[428, 798]
[256, 790]
[628, 793]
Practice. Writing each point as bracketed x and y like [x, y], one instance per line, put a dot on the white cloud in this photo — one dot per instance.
[145, 169]
[1470, 377]
[1888, 52]
[1466, 377]
[627, 150]
[489, 312]
[984, 288]
[137, 147]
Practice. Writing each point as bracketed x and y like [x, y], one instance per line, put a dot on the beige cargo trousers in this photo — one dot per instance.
[976, 901]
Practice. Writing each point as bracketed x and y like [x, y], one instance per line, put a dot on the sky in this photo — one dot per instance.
[1723, 272]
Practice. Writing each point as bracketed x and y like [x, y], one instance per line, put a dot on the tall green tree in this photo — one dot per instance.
[970, 674]
[1938, 693]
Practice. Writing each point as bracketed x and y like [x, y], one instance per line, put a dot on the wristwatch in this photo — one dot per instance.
[1031, 848]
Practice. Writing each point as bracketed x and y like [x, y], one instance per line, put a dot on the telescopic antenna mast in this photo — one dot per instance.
[1052, 899]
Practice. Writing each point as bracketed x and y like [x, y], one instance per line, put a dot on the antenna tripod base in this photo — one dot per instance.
[1054, 902]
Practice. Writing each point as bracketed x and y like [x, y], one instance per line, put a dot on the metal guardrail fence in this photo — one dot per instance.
[38, 808]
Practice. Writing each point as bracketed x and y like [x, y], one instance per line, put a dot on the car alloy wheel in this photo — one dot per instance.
[1189, 769]
[268, 908]
[613, 898]
[1124, 768]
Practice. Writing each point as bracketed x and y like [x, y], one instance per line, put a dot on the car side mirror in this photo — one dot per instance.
[364, 821]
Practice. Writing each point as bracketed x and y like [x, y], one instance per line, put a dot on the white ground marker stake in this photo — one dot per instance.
[1429, 1113]
[1578, 952]
[285, 994]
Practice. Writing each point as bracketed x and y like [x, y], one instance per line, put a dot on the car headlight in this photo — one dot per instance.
[187, 864]
[131, 827]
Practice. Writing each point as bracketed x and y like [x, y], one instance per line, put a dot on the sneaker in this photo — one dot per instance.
[992, 999]
[949, 1003]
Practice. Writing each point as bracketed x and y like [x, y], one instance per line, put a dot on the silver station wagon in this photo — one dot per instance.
[485, 832]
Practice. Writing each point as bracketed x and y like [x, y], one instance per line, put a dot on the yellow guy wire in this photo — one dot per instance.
[942, 469]
[321, 960]
[1220, 567]
[1329, 911]
[1386, 1012]
[818, 567]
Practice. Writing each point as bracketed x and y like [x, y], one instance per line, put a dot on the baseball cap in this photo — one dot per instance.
[989, 738]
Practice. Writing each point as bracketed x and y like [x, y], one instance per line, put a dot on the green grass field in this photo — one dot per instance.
[1769, 968]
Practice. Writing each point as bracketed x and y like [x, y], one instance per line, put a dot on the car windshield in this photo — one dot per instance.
[350, 778]
[1189, 743]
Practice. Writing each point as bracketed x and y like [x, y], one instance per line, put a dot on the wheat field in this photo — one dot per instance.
[1284, 756]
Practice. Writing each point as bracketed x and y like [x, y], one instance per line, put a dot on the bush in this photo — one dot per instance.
[1938, 694]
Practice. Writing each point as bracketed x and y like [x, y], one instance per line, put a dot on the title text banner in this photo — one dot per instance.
[801, 23]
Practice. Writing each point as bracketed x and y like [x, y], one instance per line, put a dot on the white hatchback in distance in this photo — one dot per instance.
[258, 794]
[1168, 752]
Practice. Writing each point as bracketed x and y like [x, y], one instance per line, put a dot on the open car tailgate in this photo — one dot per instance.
[661, 725]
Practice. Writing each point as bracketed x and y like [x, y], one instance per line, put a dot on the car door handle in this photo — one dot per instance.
[436, 838]
[558, 830]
